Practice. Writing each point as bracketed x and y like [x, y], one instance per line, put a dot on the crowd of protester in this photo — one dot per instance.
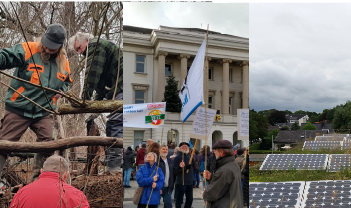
[165, 172]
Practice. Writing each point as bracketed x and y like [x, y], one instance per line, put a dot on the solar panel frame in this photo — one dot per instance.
[300, 187]
[294, 157]
[329, 138]
[312, 193]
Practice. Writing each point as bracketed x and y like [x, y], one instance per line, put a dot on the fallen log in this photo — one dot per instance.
[100, 106]
[61, 144]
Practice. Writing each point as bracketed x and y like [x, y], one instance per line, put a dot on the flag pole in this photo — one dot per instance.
[182, 152]
[206, 97]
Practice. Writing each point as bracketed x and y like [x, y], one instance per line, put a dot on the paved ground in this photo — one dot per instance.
[196, 204]
[129, 193]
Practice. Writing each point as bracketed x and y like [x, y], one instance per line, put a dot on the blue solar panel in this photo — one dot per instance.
[327, 194]
[276, 194]
[295, 161]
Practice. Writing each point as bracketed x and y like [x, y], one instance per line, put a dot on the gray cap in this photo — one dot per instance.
[54, 36]
[222, 144]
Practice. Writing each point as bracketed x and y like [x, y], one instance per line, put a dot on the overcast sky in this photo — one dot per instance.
[300, 56]
[226, 18]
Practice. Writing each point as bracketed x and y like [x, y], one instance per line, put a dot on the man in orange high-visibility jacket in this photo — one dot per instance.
[43, 62]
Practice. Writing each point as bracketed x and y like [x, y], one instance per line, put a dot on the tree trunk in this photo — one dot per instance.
[50, 146]
[103, 106]
[92, 157]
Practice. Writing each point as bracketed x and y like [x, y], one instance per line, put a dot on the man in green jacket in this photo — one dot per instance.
[102, 79]
[224, 189]
[43, 63]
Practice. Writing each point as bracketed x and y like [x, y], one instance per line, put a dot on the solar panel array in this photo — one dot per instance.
[327, 194]
[337, 135]
[300, 194]
[318, 145]
[276, 194]
[329, 138]
[295, 161]
[338, 161]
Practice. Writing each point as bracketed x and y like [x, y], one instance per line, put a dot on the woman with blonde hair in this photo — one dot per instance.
[41, 63]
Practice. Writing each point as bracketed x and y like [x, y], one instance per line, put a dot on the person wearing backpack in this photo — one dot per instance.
[196, 168]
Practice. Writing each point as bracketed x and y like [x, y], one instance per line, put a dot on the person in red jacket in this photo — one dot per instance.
[50, 190]
[140, 156]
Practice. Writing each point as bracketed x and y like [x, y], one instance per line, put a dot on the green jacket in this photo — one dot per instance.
[19, 56]
[224, 189]
[103, 73]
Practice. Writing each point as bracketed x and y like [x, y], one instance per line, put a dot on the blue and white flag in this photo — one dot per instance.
[191, 92]
[190, 144]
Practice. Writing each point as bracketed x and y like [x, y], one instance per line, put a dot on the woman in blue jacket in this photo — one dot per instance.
[151, 181]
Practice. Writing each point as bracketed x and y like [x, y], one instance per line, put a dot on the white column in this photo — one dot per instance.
[183, 67]
[245, 84]
[161, 75]
[225, 89]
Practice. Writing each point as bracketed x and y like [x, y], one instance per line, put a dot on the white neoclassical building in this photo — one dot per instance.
[151, 55]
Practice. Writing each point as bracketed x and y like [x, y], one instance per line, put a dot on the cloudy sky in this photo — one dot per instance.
[300, 56]
[224, 18]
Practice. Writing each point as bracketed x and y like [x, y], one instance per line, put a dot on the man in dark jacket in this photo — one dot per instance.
[166, 164]
[184, 182]
[128, 160]
[171, 150]
[224, 189]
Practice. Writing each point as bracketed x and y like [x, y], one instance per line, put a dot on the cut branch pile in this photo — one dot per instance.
[102, 190]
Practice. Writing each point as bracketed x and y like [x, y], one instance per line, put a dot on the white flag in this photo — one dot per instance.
[191, 92]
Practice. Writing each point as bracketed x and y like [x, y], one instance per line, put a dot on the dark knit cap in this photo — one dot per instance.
[240, 151]
[183, 143]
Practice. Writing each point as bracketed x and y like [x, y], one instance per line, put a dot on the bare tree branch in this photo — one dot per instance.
[61, 144]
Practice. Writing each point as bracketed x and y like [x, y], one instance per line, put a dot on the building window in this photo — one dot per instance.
[210, 73]
[140, 92]
[168, 70]
[230, 75]
[230, 106]
[241, 78]
[218, 112]
[210, 102]
[140, 64]
[139, 96]
[138, 138]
